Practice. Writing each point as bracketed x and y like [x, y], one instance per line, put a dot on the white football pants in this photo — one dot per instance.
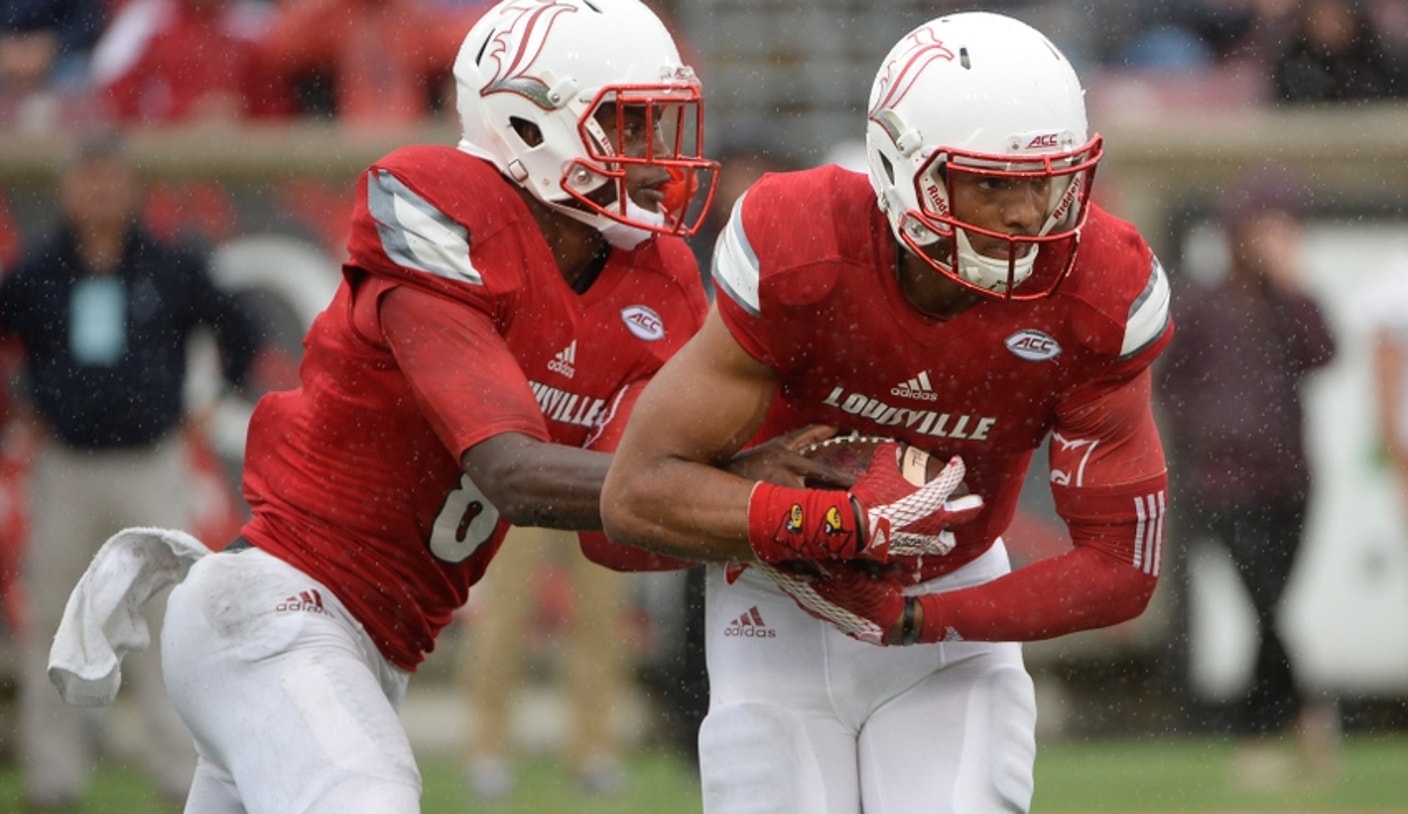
[292, 706]
[805, 720]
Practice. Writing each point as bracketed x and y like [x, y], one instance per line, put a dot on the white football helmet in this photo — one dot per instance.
[987, 95]
[556, 65]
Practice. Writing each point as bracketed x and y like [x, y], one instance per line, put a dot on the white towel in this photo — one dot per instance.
[103, 620]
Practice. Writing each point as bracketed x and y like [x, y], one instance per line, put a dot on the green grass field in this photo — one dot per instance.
[1145, 775]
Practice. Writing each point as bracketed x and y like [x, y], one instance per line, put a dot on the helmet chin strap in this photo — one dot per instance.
[990, 272]
[625, 236]
[618, 233]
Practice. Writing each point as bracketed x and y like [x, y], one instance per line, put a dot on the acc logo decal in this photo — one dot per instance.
[643, 322]
[1033, 345]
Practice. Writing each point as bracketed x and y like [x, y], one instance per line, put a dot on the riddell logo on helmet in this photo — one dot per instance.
[1073, 190]
[936, 198]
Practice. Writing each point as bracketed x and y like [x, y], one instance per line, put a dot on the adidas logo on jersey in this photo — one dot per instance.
[750, 626]
[916, 388]
[311, 601]
[564, 360]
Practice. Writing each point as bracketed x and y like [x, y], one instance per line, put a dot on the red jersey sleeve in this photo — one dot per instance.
[463, 376]
[767, 254]
[417, 212]
[1110, 484]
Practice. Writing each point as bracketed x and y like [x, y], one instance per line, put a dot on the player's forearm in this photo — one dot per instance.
[535, 483]
[1080, 590]
[682, 509]
[563, 499]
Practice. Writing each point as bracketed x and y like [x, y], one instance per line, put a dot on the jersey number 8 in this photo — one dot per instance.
[466, 522]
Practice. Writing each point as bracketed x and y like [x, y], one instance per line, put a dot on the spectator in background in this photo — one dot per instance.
[379, 62]
[44, 47]
[1244, 32]
[1231, 386]
[595, 670]
[168, 61]
[104, 311]
[1387, 312]
[1335, 54]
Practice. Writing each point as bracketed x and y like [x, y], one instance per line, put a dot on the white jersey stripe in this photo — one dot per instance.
[416, 235]
[735, 268]
[1139, 533]
[1159, 534]
[1149, 314]
[1149, 532]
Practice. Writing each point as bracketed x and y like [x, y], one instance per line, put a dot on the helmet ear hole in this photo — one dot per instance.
[888, 167]
[528, 131]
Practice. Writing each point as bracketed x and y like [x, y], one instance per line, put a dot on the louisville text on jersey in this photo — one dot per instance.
[925, 422]
[568, 408]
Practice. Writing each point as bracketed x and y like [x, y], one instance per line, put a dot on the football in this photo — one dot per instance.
[852, 454]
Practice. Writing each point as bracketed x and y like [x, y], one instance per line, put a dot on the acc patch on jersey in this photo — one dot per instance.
[643, 322]
[1033, 345]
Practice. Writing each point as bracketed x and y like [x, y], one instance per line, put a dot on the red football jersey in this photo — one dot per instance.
[806, 271]
[354, 477]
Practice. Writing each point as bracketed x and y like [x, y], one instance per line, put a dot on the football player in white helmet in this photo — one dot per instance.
[537, 109]
[501, 307]
[933, 134]
[963, 296]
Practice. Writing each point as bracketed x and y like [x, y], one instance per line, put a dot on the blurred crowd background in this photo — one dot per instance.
[250, 120]
[385, 62]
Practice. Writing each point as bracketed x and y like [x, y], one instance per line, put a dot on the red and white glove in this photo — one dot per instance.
[857, 600]
[883, 514]
[904, 519]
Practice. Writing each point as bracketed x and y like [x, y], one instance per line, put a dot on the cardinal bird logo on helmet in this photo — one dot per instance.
[517, 46]
[901, 72]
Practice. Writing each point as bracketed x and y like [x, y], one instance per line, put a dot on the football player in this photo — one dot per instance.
[502, 304]
[965, 296]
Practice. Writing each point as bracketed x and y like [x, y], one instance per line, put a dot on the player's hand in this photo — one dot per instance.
[779, 460]
[864, 602]
[900, 518]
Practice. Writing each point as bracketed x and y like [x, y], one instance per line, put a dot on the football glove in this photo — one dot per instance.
[864, 603]
[883, 515]
[902, 519]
